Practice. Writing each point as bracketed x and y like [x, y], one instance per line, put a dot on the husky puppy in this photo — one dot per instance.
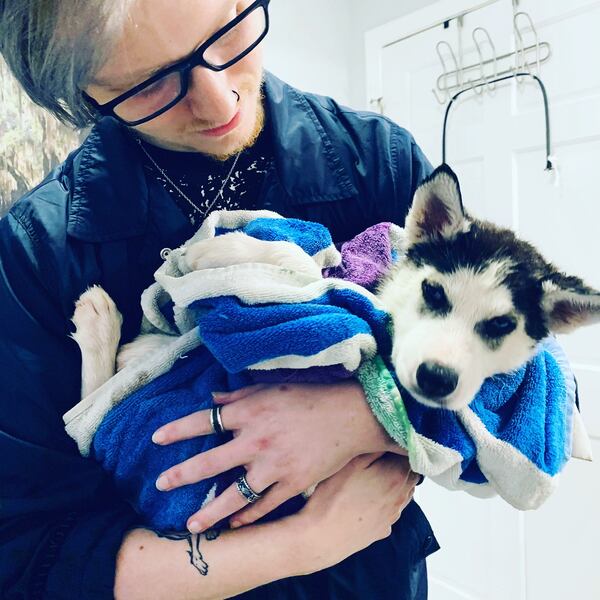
[468, 299]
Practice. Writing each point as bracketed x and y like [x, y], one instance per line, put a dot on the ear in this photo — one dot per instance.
[437, 210]
[568, 303]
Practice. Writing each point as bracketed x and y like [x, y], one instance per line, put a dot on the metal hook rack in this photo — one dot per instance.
[549, 164]
[523, 63]
[526, 58]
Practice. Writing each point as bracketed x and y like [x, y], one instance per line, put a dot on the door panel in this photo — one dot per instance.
[496, 143]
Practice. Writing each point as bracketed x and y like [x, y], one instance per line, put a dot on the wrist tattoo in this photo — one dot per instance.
[193, 539]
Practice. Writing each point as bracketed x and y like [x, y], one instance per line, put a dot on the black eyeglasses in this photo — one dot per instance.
[164, 89]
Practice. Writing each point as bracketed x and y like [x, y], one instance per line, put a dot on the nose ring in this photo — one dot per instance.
[237, 95]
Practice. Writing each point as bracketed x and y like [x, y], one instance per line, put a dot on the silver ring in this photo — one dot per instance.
[215, 420]
[246, 491]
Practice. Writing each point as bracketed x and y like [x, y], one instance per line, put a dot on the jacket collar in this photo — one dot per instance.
[110, 194]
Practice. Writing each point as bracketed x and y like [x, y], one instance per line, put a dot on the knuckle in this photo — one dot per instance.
[261, 443]
[176, 475]
[246, 518]
[205, 467]
[173, 431]
[250, 517]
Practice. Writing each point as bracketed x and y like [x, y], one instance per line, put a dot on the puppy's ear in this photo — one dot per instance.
[437, 210]
[568, 303]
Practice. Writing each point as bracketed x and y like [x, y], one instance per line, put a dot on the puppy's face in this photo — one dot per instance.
[469, 300]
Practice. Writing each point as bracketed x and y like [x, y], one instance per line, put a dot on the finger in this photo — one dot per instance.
[372, 457]
[204, 465]
[276, 496]
[229, 397]
[364, 461]
[192, 426]
[229, 502]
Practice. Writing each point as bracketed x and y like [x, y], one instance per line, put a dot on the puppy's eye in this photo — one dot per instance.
[498, 327]
[435, 297]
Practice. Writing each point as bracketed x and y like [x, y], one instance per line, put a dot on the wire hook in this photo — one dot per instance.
[489, 86]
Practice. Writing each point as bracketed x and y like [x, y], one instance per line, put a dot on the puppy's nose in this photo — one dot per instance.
[435, 380]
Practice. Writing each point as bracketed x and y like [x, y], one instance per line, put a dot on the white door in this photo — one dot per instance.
[496, 143]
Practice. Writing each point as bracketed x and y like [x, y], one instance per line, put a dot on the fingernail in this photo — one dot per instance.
[235, 524]
[162, 483]
[158, 437]
[194, 527]
[218, 395]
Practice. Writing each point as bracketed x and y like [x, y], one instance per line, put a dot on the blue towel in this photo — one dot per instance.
[237, 325]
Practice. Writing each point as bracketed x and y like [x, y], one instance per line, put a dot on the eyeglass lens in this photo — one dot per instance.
[224, 50]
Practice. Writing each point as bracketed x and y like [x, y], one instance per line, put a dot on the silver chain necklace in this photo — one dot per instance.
[181, 192]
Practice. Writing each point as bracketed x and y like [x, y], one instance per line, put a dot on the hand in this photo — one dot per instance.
[354, 508]
[288, 437]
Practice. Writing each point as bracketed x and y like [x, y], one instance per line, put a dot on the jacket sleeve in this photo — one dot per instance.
[61, 522]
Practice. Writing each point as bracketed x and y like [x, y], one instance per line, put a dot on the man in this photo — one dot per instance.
[188, 127]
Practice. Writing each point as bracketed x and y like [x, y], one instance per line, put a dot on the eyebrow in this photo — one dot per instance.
[135, 78]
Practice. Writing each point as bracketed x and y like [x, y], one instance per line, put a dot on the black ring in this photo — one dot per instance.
[238, 96]
[215, 420]
[246, 491]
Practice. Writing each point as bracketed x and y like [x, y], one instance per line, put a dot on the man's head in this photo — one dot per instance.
[112, 48]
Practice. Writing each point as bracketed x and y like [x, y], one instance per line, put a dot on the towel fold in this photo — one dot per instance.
[251, 322]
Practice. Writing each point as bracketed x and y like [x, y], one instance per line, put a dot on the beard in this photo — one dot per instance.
[259, 123]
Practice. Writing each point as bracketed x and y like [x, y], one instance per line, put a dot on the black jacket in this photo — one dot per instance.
[98, 219]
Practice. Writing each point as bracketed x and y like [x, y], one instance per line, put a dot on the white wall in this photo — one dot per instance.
[368, 14]
[308, 45]
[319, 46]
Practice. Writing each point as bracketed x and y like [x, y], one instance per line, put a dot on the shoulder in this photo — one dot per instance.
[355, 128]
[42, 212]
[387, 164]
[365, 128]
[34, 245]
[40, 216]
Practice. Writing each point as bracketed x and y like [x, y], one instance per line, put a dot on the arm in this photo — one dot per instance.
[62, 522]
[346, 513]
[151, 565]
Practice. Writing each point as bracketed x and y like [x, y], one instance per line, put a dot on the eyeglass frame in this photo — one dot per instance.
[184, 67]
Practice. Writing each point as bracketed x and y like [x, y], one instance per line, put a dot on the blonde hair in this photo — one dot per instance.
[54, 47]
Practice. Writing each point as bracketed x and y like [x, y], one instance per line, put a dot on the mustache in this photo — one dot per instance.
[246, 88]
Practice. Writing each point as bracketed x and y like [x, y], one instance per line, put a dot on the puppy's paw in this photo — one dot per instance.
[97, 320]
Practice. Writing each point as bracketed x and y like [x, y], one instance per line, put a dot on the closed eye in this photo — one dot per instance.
[497, 328]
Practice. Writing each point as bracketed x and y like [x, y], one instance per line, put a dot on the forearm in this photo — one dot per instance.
[150, 566]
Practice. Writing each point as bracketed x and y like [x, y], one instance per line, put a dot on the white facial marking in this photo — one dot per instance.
[452, 340]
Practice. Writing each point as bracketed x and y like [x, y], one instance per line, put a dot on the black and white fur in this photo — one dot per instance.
[468, 300]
